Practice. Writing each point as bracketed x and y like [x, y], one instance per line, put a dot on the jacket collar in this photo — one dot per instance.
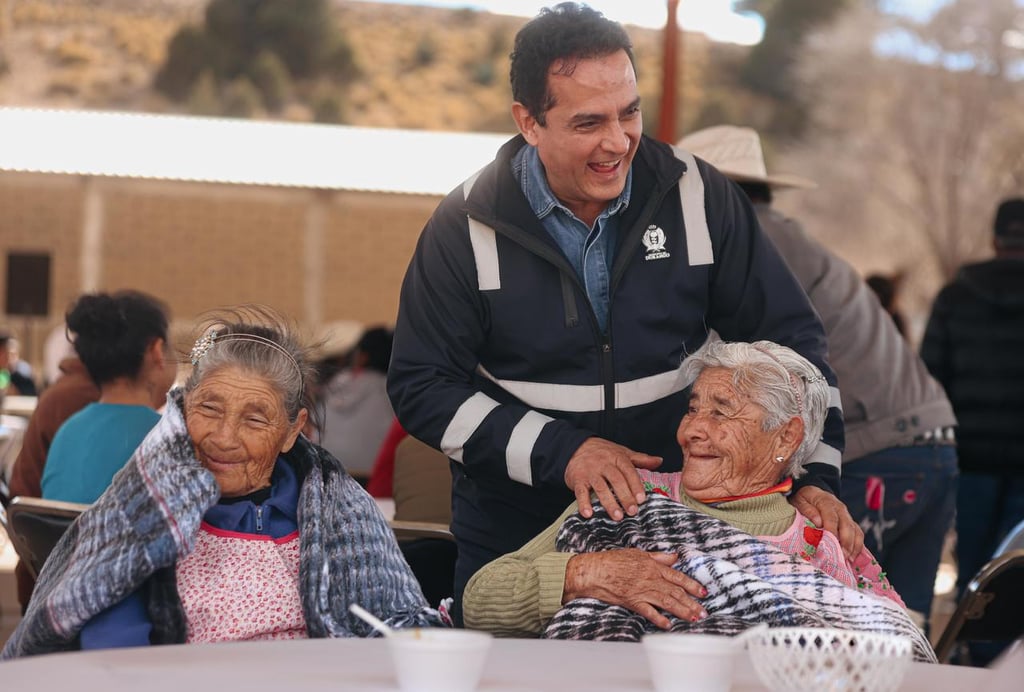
[654, 170]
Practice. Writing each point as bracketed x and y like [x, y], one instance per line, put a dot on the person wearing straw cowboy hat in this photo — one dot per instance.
[900, 462]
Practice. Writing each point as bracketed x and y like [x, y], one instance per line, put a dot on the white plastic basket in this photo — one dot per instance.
[799, 659]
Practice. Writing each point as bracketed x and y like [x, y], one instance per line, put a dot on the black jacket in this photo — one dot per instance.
[974, 346]
[498, 360]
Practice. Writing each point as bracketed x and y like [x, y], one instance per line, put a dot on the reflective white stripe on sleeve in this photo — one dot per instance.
[691, 196]
[826, 454]
[581, 398]
[464, 423]
[520, 446]
[485, 245]
[835, 400]
[485, 253]
[647, 389]
[573, 398]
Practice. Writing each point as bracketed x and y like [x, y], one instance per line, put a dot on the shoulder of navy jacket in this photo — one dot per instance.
[662, 158]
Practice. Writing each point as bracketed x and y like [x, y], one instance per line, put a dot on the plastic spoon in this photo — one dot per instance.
[374, 622]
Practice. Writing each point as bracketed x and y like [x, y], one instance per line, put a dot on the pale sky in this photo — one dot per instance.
[712, 17]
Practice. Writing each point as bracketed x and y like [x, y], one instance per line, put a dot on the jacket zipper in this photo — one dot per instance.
[259, 519]
[618, 269]
[569, 279]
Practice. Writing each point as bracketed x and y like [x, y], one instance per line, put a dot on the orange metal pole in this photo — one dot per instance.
[669, 66]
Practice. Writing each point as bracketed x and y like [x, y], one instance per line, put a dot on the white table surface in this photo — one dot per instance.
[364, 664]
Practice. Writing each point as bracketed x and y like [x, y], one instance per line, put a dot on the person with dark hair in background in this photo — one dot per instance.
[356, 410]
[553, 296]
[122, 340]
[973, 345]
[900, 464]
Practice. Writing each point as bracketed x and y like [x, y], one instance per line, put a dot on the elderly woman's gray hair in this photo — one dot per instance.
[776, 378]
[257, 340]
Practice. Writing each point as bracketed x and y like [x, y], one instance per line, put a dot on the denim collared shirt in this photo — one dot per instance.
[590, 251]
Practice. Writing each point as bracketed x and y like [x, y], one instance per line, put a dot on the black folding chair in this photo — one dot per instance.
[34, 526]
[430, 550]
[1013, 540]
[991, 609]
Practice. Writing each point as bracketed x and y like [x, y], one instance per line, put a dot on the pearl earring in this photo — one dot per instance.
[779, 460]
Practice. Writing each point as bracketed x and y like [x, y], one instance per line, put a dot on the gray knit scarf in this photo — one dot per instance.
[748, 581]
[148, 519]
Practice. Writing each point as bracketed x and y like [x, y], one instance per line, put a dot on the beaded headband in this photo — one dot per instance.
[793, 379]
[205, 342]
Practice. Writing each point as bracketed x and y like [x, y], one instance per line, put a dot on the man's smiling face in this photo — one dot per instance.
[590, 134]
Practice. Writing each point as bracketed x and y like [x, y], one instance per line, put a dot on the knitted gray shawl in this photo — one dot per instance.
[149, 518]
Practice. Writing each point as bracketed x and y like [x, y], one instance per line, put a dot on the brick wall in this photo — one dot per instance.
[199, 246]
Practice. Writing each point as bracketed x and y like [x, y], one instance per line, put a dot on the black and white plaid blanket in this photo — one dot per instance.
[748, 581]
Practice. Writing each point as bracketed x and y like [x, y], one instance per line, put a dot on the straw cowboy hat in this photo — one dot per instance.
[736, 152]
[335, 339]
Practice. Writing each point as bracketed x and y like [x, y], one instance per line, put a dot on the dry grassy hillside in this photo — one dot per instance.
[421, 67]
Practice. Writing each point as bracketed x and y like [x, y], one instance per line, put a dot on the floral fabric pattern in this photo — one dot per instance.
[240, 587]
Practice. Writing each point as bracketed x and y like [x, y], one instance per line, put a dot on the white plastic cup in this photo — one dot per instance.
[680, 662]
[436, 659]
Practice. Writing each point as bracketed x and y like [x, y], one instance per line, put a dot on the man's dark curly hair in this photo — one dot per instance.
[566, 33]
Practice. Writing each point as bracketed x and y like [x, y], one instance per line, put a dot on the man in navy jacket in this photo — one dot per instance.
[553, 296]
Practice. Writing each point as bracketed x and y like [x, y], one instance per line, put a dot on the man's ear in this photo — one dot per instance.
[526, 123]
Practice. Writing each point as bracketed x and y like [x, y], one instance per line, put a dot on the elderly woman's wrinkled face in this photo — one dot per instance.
[726, 452]
[238, 425]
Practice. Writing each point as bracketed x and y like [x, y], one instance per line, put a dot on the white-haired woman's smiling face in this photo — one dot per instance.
[239, 426]
[726, 451]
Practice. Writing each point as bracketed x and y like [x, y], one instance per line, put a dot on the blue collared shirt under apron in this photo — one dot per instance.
[590, 250]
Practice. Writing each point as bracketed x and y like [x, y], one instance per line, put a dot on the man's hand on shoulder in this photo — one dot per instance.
[828, 512]
[609, 470]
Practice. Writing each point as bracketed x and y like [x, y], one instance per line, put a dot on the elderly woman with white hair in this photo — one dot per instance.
[226, 523]
[755, 413]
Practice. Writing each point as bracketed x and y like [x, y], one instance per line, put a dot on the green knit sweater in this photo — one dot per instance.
[517, 594]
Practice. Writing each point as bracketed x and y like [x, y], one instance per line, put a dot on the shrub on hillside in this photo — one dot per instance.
[426, 51]
[482, 73]
[328, 104]
[188, 54]
[241, 99]
[204, 97]
[301, 34]
[271, 78]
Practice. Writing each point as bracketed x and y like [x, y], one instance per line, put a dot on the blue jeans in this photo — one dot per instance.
[904, 499]
[988, 505]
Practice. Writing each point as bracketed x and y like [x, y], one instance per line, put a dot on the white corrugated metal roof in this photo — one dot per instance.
[245, 152]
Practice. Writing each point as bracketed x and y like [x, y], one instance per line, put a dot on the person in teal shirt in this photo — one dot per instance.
[122, 340]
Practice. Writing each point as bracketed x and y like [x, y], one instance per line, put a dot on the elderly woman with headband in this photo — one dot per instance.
[226, 524]
[755, 412]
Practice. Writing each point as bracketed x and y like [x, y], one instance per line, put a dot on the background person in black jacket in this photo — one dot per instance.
[973, 346]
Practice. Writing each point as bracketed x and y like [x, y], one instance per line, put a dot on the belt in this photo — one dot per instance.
[936, 436]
